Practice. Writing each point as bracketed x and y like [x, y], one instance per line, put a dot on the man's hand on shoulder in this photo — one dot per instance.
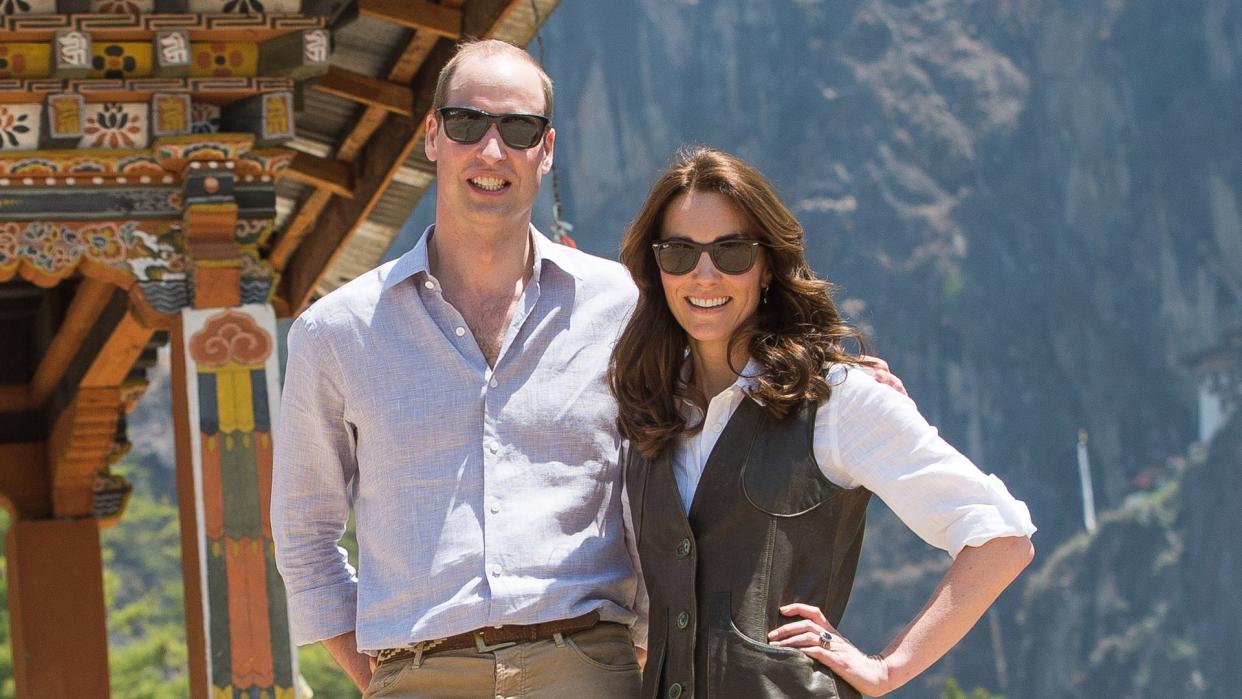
[883, 374]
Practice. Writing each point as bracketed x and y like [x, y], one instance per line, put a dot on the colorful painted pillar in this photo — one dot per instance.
[226, 401]
[140, 146]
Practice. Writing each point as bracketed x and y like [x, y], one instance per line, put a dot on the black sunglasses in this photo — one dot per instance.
[466, 125]
[735, 256]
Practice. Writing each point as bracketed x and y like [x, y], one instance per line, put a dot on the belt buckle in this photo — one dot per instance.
[481, 646]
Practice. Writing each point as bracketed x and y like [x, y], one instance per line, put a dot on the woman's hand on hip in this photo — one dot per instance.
[866, 673]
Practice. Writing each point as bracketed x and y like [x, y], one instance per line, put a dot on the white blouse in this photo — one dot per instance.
[872, 436]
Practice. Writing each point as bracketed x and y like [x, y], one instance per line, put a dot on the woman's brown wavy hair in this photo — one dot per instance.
[793, 336]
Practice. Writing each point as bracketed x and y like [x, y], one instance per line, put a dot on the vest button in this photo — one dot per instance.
[683, 620]
[674, 691]
[683, 549]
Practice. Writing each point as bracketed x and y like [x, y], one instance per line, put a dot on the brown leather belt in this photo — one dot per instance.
[492, 638]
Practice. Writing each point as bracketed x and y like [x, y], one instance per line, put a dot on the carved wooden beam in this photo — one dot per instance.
[81, 441]
[89, 301]
[119, 353]
[16, 398]
[364, 89]
[24, 481]
[297, 229]
[415, 14]
[324, 173]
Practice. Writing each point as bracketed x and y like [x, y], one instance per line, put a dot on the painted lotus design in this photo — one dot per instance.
[113, 127]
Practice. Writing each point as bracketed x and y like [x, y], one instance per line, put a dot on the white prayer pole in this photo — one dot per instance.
[1084, 476]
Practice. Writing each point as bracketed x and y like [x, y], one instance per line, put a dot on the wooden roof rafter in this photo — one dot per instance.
[380, 144]
[403, 70]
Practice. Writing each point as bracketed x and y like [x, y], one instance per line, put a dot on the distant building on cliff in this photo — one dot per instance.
[1219, 371]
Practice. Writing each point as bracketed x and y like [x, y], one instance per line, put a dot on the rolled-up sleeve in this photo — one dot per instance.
[314, 464]
[872, 436]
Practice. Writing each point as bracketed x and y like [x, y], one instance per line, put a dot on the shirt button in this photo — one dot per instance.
[495, 507]
[459, 332]
[717, 427]
[493, 447]
[495, 571]
[674, 691]
[429, 284]
[493, 383]
[683, 549]
[683, 620]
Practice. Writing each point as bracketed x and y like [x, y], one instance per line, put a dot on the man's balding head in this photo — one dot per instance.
[481, 49]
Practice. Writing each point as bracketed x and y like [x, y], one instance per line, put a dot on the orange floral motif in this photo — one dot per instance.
[221, 60]
[230, 336]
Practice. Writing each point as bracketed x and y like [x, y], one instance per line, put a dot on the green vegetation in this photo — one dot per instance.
[146, 619]
[953, 691]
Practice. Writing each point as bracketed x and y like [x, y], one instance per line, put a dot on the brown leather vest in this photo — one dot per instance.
[765, 529]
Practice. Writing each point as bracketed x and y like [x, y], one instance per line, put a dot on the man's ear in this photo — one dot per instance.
[548, 142]
[429, 140]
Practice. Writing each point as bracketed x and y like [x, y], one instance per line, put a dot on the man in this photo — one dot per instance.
[460, 392]
[458, 397]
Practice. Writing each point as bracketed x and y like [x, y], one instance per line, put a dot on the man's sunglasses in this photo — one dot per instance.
[466, 125]
[678, 257]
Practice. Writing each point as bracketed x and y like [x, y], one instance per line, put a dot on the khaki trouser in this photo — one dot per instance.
[598, 662]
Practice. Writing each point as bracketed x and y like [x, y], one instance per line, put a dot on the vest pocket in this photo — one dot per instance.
[785, 487]
[745, 667]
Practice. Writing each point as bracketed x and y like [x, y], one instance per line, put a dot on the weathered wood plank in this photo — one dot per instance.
[379, 162]
[364, 89]
[415, 14]
[324, 173]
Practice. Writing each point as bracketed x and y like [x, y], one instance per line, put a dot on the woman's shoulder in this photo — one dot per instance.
[855, 386]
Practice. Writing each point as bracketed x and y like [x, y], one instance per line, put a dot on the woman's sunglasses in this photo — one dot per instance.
[682, 256]
[466, 125]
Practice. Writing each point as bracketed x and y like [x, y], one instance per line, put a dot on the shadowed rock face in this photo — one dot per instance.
[1033, 205]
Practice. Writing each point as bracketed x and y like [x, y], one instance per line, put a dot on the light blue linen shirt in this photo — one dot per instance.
[482, 496]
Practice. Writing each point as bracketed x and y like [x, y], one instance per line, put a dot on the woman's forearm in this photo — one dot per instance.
[968, 588]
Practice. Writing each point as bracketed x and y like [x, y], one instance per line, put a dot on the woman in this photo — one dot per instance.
[755, 442]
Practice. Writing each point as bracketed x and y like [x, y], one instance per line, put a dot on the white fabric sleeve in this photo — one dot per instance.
[314, 463]
[641, 604]
[870, 435]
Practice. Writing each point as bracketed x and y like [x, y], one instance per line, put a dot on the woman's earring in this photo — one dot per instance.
[764, 297]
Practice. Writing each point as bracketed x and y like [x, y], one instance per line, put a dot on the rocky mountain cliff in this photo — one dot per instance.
[1146, 605]
[1032, 205]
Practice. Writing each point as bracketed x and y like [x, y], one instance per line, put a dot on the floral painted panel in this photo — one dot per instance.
[19, 126]
[117, 60]
[48, 251]
[219, 59]
[115, 125]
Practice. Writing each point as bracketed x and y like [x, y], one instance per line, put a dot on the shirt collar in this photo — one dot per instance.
[417, 260]
[746, 382]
